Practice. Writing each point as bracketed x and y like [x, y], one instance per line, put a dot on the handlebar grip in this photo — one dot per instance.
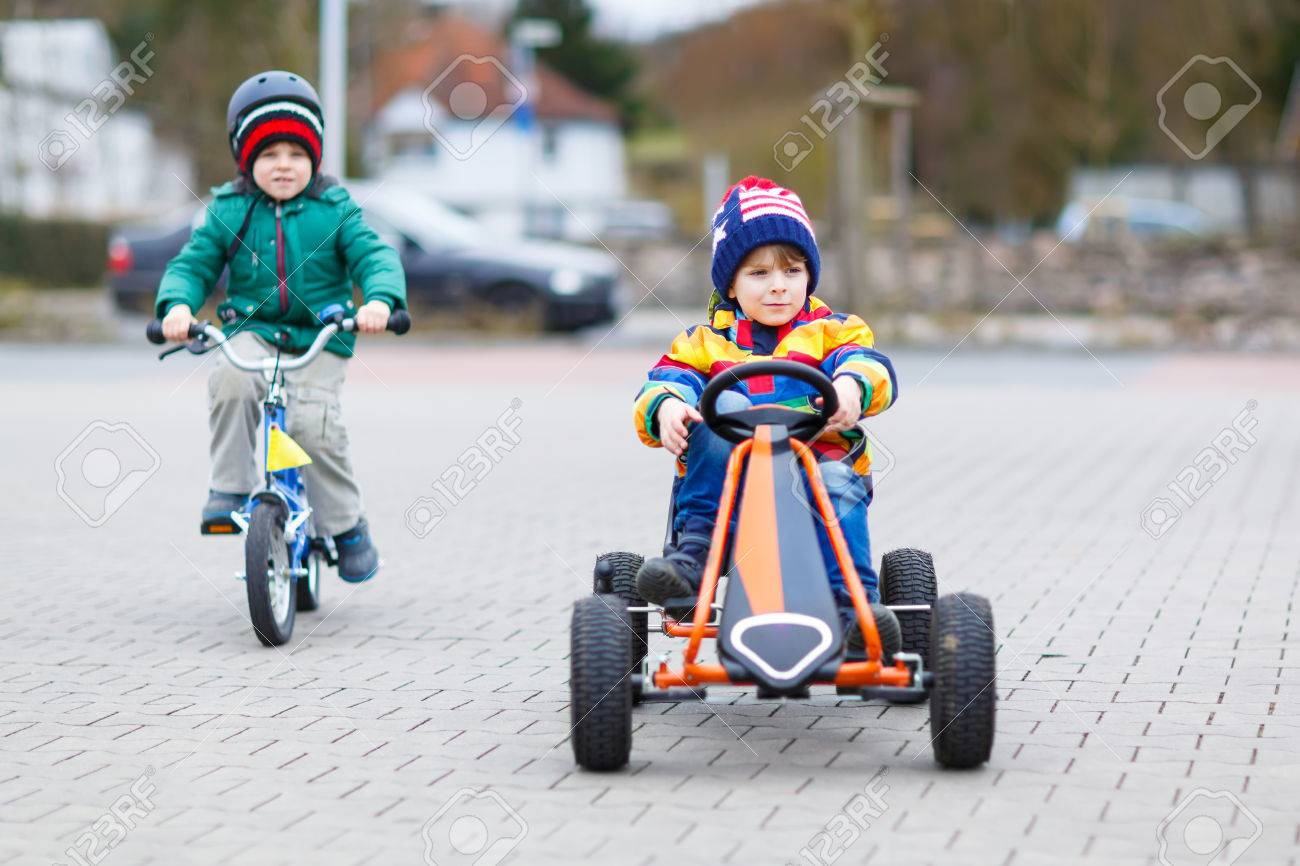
[153, 332]
[399, 322]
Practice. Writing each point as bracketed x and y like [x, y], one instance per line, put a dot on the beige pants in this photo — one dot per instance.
[313, 418]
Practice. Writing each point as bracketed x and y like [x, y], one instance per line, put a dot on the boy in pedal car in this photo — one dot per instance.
[765, 269]
[295, 243]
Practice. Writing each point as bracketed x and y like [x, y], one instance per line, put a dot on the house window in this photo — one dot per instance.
[412, 144]
[550, 141]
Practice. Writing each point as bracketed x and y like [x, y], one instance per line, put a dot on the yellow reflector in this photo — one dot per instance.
[283, 453]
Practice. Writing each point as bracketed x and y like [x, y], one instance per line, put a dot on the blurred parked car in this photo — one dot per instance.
[1121, 217]
[452, 264]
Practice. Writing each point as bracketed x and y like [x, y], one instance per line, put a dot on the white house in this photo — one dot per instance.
[456, 117]
[70, 143]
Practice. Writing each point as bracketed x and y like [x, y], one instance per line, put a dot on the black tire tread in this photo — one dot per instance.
[907, 576]
[257, 546]
[620, 568]
[600, 686]
[303, 597]
[963, 701]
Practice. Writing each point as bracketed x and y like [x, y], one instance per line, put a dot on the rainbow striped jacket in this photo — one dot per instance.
[838, 344]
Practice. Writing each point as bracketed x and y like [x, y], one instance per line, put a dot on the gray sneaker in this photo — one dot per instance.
[358, 558]
[216, 513]
[676, 575]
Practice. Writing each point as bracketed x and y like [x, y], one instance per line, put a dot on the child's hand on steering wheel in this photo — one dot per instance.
[672, 417]
[850, 411]
[372, 317]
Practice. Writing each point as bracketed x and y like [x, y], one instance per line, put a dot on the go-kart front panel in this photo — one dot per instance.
[779, 623]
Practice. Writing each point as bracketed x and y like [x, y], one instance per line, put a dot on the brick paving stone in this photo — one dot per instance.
[1133, 670]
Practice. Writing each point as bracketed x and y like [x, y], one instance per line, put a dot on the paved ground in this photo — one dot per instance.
[1144, 676]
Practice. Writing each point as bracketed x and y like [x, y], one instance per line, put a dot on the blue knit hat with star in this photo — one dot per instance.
[756, 212]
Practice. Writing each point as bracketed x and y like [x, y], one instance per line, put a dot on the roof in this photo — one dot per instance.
[435, 45]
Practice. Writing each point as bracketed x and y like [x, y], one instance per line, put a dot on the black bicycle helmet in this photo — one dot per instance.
[275, 85]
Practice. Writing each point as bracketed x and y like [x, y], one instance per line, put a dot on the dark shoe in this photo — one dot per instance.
[216, 513]
[358, 558]
[891, 633]
[676, 575]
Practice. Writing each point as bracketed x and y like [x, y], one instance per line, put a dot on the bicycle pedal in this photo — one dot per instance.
[219, 526]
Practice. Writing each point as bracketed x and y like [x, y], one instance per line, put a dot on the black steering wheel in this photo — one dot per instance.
[739, 426]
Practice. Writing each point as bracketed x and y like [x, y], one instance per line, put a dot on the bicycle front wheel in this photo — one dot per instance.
[268, 575]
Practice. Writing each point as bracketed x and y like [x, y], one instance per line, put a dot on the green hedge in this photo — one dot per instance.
[61, 252]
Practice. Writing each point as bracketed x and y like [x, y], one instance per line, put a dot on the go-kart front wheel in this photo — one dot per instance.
[600, 683]
[963, 700]
[268, 575]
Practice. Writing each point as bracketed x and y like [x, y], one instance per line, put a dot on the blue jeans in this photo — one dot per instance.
[696, 499]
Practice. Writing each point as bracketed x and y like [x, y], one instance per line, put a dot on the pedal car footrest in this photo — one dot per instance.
[674, 695]
[681, 609]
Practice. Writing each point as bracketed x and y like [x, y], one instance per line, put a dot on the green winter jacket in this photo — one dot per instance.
[327, 248]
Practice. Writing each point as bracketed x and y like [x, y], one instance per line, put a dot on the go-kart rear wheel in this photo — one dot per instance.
[600, 683]
[616, 572]
[907, 577]
[963, 700]
[267, 574]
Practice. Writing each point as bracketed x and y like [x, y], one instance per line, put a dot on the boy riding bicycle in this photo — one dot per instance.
[295, 243]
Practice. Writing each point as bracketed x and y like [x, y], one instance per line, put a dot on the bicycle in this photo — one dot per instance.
[282, 559]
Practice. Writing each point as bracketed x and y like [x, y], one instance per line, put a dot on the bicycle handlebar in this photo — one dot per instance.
[399, 322]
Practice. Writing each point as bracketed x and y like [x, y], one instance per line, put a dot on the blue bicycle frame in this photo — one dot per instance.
[281, 485]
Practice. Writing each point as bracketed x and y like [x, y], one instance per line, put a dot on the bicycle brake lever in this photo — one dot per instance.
[172, 351]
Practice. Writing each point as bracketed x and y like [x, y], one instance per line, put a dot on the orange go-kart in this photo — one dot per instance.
[777, 628]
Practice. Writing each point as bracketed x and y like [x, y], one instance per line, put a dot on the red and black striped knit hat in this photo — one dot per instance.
[270, 107]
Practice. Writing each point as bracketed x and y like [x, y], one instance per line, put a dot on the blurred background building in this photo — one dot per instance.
[565, 146]
[48, 69]
[1140, 159]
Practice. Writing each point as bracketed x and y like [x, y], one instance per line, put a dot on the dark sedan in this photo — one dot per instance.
[452, 265]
